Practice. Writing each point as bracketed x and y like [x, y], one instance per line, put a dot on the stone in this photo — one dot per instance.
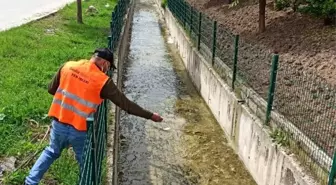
[7, 165]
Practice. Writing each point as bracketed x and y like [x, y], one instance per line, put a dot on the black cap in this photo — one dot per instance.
[105, 54]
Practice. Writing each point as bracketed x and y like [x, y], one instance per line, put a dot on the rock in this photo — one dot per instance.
[92, 10]
[185, 97]
[7, 165]
[50, 31]
[166, 129]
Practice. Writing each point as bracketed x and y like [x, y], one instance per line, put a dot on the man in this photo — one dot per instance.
[78, 88]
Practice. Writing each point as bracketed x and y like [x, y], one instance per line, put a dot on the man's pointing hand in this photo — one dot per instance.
[156, 117]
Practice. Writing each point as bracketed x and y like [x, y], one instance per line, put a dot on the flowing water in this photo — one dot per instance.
[189, 146]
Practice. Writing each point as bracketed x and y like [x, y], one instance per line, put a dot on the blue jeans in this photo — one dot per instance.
[61, 136]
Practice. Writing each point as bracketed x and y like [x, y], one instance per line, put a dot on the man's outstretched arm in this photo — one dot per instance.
[111, 92]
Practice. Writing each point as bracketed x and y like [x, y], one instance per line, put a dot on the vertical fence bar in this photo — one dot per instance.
[190, 22]
[178, 10]
[332, 173]
[111, 23]
[185, 14]
[235, 59]
[182, 13]
[214, 35]
[95, 144]
[94, 154]
[199, 31]
[275, 60]
[109, 42]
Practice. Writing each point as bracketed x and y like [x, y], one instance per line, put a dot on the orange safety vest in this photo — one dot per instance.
[78, 94]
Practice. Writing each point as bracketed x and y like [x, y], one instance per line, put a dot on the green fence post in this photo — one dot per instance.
[182, 13]
[270, 98]
[90, 174]
[178, 10]
[332, 173]
[235, 59]
[190, 22]
[185, 14]
[214, 34]
[109, 42]
[93, 152]
[199, 31]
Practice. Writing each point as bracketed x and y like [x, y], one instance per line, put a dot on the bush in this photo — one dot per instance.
[281, 4]
[325, 9]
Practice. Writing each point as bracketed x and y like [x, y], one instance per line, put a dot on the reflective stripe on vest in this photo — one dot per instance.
[76, 98]
[71, 108]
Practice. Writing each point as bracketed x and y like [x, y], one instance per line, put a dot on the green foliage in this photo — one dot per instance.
[30, 55]
[321, 8]
[280, 137]
[164, 3]
[281, 4]
[16, 178]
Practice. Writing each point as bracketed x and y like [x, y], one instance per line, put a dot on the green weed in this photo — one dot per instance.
[280, 137]
[164, 3]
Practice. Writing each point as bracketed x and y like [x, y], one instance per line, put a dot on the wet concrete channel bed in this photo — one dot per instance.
[188, 147]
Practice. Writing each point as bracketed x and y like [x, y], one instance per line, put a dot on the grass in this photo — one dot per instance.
[30, 55]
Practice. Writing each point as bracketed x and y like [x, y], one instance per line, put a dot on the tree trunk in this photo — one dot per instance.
[327, 21]
[262, 10]
[79, 12]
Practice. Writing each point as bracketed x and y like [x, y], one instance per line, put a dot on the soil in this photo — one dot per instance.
[299, 39]
[307, 67]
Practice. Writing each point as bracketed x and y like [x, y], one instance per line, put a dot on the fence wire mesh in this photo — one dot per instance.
[206, 34]
[304, 99]
[194, 24]
[225, 45]
[308, 101]
[254, 65]
[94, 157]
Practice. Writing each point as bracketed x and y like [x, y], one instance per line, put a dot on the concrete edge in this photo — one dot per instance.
[258, 106]
[288, 159]
[121, 55]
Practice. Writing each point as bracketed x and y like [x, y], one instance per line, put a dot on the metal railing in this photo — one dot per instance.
[94, 157]
[307, 102]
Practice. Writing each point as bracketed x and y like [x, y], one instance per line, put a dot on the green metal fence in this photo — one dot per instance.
[304, 99]
[95, 145]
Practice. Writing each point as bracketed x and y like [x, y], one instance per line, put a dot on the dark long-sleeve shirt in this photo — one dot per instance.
[111, 92]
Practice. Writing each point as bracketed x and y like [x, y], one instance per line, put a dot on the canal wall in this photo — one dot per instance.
[113, 130]
[268, 163]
